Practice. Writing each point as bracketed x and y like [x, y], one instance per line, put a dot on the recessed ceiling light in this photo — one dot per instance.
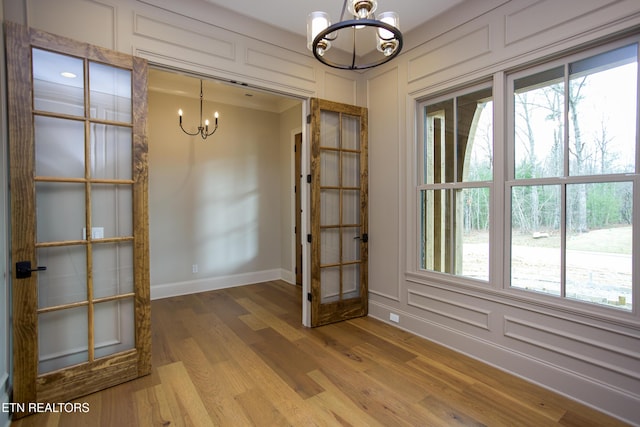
[68, 75]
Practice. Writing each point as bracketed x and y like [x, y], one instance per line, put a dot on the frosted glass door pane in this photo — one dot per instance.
[329, 168]
[330, 246]
[58, 83]
[114, 327]
[59, 147]
[112, 269]
[111, 152]
[350, 244]
[110, 93]
[330, 279]
[60, 211]
[65, 279]
[62, 339]
[329, 129]
[111, 207]
[351, 207]
[351, 281]
[350, 132]
[350, 169]
[330, 207]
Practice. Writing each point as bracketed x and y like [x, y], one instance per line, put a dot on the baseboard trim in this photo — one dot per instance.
[572, 385]
[167, 290]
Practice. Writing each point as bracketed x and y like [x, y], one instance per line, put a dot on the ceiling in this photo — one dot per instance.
[412, 13]
[291, 15]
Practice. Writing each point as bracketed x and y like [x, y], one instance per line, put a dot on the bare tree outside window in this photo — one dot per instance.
[574, 145]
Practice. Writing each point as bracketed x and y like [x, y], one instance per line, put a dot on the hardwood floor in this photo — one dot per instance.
[240, 357]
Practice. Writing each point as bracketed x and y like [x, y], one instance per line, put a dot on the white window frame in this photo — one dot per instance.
[498, 285]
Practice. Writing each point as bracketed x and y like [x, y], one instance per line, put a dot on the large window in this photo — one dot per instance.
[572, 178]
[562, 195]
[455, 183]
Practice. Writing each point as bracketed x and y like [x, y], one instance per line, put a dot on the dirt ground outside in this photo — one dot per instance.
[598, 264]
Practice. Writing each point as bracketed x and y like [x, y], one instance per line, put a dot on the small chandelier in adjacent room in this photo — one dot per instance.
[203, 131]
[388, 38]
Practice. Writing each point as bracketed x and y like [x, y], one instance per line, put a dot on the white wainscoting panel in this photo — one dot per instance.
[455, 49]
[89, 21]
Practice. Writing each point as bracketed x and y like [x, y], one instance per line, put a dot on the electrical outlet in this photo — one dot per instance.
[394, 317]
[194, 268]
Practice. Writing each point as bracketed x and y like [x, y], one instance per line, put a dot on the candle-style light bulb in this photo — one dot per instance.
[216, 116]
[180, 114]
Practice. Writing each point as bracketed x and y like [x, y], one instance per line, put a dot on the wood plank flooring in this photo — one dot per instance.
[240, 357]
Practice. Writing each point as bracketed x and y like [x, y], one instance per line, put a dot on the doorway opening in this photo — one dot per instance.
[222, 210]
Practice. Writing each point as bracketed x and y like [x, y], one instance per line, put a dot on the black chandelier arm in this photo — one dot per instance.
[200, 128]
[322, 35]
[204, 134]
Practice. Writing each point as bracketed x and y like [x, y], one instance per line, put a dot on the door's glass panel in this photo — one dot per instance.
[330, 289]
[351, 281]
[111, 208]
[350, 207]
[330, 246]
[330, 207]
[58, 83]
[599, 256]
[350, 132]
[114, 327]
[60, 211]
[59, 147]
[351, 244]
[112, 269]
[535, 241]
[65, 279]
[329, 129]
[110, 92]
[62, 339]
[111, 152]
[329, 168]
[350, 169]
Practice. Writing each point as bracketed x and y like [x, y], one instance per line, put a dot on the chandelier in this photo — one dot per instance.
[388, 38]
[203, 131]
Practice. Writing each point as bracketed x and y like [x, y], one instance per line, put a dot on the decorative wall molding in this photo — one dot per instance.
[451, 53]
[534, 19]
[449, 309]
[272, 62]
[188, 39]
[579, 347]
[98, 26]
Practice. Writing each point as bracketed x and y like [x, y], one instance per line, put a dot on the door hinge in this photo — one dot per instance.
[309, 297]
[309, 179]
[365, 238]
[308, 119]
[308, 238]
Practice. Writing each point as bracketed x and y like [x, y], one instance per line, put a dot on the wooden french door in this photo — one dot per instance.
[339, 200]
[79, 227]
